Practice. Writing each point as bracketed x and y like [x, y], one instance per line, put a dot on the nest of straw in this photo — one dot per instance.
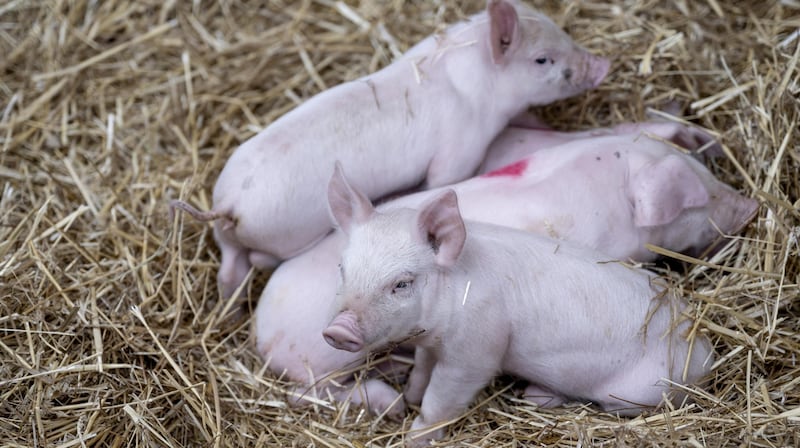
[111, 332]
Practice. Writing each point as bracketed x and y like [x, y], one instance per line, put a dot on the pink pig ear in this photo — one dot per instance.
[504, 28]
[348, 206]
[662, 191]
[439, 224]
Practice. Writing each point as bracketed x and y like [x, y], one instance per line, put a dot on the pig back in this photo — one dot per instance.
[274, 185]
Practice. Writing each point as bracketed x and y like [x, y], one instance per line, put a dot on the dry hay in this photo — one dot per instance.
[110, 332]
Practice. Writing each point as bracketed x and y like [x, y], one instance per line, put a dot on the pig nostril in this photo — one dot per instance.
[342, 339]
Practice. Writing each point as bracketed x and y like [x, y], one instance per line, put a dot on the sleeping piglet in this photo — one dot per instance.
[618, 189]
[480, 299]
[426, 119]
[563, 191]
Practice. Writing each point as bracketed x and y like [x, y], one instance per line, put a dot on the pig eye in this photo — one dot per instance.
[541, 61]
[401, 286]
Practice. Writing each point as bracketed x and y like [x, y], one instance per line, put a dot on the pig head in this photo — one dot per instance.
[675, 193]
[379, 301]
[546, 63]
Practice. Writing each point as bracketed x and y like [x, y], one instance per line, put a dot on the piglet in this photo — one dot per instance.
[562, 191]
[618, 189]
[480, 299]
[425, 119]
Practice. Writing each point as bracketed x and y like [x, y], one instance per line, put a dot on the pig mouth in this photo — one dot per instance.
[413, 334]
[380, 346]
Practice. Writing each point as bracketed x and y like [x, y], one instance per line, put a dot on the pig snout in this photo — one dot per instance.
[343, 333]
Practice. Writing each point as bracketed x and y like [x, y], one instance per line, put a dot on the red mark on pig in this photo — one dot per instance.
[514, 170]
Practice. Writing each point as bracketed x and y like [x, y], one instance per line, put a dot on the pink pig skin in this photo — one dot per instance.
[425, 119]
[519, 141]
[487, 299]
[298, 300]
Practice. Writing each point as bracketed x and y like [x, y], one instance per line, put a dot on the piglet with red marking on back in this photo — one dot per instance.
[425, 119]
[479, 299]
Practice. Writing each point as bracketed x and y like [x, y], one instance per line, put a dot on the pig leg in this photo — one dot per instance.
[688, 137]
[235, 263]
[529, 120]
[628, 394]
[375, 395]
[451, 389]
[542, 397]
[262, 260]
[420, 376]
[448, 167]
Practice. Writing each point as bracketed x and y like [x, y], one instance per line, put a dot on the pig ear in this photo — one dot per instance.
[439, 224]
[662, 191]
[734, 211]
[504, 28]
[348, 206]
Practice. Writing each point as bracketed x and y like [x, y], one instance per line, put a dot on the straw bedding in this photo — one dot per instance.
[111, 333]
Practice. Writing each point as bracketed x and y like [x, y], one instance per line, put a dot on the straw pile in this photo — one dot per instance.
[111, 333]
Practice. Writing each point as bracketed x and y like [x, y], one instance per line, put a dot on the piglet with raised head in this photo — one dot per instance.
[425, 119]
[563, 191]
[479, 300]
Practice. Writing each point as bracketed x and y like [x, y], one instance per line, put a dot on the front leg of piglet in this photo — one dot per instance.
[529, 120]
[451, 389]
[424, 360]
[450, 165]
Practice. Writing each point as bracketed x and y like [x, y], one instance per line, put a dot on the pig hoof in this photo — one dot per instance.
[542, 397]
[421, 435]
[395, 413]
[381, 399]
[417, 443]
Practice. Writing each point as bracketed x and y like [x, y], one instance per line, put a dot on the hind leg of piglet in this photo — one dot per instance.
[688, 137]
[235, 263]
[233, 270]
[634, 391]
[542, 397]
[373, 394]
[262, 260]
